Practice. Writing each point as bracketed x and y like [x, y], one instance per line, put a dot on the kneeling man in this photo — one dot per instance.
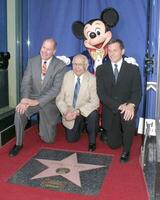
[78, 102]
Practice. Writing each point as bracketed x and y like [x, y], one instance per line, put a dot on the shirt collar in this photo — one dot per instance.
[75, 77]
[47, 61]
[119, 64]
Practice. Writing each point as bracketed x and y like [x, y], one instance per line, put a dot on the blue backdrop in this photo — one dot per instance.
[54, 18]
[3, 26]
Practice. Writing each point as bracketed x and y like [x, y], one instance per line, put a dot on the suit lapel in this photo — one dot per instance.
[83, 87]
[37, 73]
[122, 72]
[70, 86]
[109, 72]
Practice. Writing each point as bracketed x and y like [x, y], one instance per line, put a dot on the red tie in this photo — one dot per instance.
[44, 68]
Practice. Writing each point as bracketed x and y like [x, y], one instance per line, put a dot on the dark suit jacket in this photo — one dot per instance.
[126, 89]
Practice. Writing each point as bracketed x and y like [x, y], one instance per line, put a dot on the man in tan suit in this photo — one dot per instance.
[78, 102]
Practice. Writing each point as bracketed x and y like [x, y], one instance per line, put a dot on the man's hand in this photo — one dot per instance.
[30, 102]
[22, 107]
[71, 115]
[127, 110]
[122, 107]
[24, 104]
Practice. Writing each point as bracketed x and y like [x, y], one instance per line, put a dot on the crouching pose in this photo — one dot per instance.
[40, 85]
[78, 102]
[119, 90]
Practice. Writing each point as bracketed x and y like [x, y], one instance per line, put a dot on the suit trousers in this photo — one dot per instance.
[91, 124]
[47, 130]
[121, 132]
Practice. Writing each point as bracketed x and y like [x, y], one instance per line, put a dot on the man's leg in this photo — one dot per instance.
[49, 117]
[92, 127]
[114, 134]
[47, 130]
[128, 128]
[20, 121]
[73, 135]
[128, 134]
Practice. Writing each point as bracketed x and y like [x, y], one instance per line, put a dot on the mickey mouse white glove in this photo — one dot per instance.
[131, 60]
[65, 59]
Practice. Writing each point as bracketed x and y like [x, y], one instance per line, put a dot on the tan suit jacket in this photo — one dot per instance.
[87, 100]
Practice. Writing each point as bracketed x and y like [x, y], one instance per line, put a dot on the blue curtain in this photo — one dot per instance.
[152, 52]
[3, 26]
[54, 18]
[151, 69]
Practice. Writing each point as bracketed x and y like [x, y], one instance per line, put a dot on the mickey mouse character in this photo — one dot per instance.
[96, 34]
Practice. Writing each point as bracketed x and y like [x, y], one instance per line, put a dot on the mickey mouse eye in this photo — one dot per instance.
[98, 31]
[88, 34]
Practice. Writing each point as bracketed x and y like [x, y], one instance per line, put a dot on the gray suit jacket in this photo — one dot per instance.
[87, 101]
[46, 92]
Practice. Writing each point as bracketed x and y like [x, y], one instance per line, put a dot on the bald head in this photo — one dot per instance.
[48, 48]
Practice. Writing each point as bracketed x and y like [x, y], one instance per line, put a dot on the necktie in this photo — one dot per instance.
[115, 72]
[44, 68]
[76, 91]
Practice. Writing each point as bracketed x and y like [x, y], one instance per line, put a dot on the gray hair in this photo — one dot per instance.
[83, 57]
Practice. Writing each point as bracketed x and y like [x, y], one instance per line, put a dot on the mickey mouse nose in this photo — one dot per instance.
[92, 35]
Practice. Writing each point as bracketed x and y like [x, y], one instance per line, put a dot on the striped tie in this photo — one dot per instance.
[44, 70]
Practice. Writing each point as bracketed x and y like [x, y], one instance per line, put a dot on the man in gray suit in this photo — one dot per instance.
[78, 102]
[40, 85]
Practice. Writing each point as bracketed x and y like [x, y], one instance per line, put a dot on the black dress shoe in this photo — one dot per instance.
[100, 130]
[103, 136]
[124, 157]
[15, 150]
[91, 147]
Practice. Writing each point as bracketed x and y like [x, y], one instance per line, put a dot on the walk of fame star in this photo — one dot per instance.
[69, 168]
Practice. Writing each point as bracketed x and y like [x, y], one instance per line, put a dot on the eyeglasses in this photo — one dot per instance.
[78, 64]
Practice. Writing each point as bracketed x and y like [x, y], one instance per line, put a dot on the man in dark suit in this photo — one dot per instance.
[78, 102]
[119, 89]
[40, 85]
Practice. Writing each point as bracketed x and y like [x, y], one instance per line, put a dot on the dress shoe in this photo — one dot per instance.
[15, 150]
[124, 157]
[103, 136]
[91, 147]
[100, 130]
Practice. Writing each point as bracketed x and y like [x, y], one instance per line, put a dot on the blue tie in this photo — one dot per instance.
[115, 72]
[76, 91]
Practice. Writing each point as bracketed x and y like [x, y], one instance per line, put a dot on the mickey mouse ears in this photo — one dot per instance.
[77, 29]
[110, 16]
